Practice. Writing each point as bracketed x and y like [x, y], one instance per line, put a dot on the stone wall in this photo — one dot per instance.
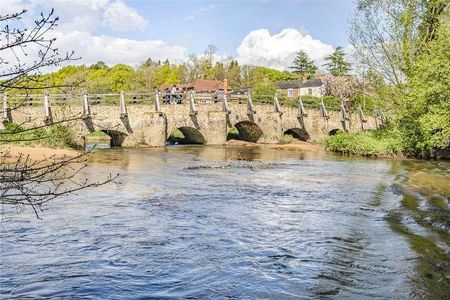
[143, 125]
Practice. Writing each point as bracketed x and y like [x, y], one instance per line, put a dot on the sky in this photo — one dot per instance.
[267, 33]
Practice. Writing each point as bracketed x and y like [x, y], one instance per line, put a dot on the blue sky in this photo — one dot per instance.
[254, 32]
[195, 24]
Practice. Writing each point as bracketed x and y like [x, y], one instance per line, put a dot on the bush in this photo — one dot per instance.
[57, 136]
[377, 143]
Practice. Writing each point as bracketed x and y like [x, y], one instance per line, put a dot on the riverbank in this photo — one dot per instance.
[293, 145]
[373, 143]
[36, 152]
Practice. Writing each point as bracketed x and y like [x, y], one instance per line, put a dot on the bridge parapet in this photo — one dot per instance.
[149, 118]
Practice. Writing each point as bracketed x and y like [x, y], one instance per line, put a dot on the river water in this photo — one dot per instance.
[224, 222]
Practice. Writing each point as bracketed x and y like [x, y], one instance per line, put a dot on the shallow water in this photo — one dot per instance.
[259, 224]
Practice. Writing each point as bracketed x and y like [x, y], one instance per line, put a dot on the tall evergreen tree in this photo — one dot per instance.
[303, 66]
[336, 63]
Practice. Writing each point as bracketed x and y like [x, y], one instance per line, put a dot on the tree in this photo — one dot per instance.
[100, 65]
[303, 66]
[25, 182]
[406, 44]
[385, 35]
[424, 117]
[336, 64]
[209, 52]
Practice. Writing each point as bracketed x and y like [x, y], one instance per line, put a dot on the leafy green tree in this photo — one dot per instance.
[336, 64]
[258, 74]
[303, 66]
[119, 77]
[167, 74]
[233, 74]
[97, 82]
[217, 72]
[424, 116]
[100, 65]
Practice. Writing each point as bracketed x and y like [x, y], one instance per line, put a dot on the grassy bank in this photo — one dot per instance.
[374, 143]
[58, 136]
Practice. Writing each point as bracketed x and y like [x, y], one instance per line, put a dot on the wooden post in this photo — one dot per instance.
[157, 104]
[276, 104]
[6, 113]
[301, 108]
[122, 105]
[86, 108]
[362, 117]
[323, 110]
[301, 113]
[47, 109]
[343, 116]
[193, 110]
[250, 109]
[225, 106]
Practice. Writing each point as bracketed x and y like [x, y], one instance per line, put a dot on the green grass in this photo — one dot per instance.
[375, 143]
[98, 133]
[57, 136]
[177, 134]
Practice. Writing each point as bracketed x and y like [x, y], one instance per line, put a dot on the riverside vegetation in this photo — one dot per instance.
[405, 46]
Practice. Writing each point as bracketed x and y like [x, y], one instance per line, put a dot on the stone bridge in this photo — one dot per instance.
[143, 119]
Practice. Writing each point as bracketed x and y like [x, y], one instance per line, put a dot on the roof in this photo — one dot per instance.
[312, 83]
[290, 84]
[207, 85]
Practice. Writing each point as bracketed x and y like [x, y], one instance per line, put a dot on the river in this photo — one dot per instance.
[234, 222]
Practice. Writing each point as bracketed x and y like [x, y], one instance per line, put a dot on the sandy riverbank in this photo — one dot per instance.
[298, 146]
[294, 146]
[36, 153]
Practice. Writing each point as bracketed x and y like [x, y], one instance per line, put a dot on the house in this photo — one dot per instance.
[312, 87]
[199, 86]
[296, 88]
[290, 88]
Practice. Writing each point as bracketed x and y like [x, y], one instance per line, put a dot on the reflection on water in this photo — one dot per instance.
[216, 222]
[93, 145]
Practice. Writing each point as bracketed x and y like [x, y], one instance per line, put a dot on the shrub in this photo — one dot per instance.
[379, 143]
[57, 136]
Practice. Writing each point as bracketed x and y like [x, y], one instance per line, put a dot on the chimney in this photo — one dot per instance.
[225, 86]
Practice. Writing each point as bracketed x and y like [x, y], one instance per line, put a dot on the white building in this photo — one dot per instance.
[296, 88]
[312, 87]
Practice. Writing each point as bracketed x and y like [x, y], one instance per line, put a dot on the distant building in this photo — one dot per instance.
[200, 86]
[296, 88]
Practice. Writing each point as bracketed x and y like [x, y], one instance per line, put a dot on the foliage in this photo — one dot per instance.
[336, 63]
[378, 143]
[264, 90]
[57, 136]
[303, 66]
[404, 46]
[424, 117]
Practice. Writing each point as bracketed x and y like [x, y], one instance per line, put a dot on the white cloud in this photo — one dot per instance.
[277, 51]
[201, 11]
[83, 15]
[118, 16]
[114, 50]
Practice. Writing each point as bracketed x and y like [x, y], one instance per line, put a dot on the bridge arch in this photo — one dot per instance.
[117, 137]
[190, 135]
[248, 131]
[334, 131]
[298, 133]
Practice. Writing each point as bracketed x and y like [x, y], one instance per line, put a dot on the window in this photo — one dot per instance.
[290, 92]
[310, 92]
